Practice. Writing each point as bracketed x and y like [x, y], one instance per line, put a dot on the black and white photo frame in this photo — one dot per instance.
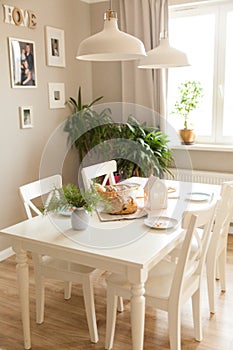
[56, 95]
[55, 47]
[26, 117]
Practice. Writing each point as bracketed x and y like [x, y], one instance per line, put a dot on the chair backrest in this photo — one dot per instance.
[201, 238]
[38, 189]
[105, 169]
[223, 218]
[225, 186]
[179, 275]
[190, 264]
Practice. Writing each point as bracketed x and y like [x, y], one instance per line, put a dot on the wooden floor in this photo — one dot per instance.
[65, 324]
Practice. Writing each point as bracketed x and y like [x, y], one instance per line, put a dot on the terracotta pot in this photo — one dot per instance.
[79, 219]
[187, 136]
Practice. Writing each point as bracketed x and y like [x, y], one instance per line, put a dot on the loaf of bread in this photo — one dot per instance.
[122, 205]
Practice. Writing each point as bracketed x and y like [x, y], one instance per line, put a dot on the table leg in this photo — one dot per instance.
[23, 282]
[137, 315]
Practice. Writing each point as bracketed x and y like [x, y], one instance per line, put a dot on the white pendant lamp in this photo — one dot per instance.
[164, 55]
[111, 44]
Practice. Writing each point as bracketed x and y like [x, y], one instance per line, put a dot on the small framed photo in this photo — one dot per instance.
[22, 63]
[56, 95]
[26, 120]
[55, 47]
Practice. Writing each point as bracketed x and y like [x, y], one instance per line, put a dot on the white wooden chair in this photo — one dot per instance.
[216, 255]
[105, 170]
[170, 283]
[45, 266]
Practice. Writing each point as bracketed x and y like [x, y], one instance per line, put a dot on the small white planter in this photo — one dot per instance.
[80, 219]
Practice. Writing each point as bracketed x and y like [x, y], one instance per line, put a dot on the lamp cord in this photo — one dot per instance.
[163, 15]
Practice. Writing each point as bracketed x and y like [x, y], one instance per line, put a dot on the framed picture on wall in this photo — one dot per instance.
[55, 47]
[22, 63]
[26, 119]
[56, 95]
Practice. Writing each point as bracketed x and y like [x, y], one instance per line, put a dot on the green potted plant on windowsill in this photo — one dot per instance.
[70, 199]
[190, 95]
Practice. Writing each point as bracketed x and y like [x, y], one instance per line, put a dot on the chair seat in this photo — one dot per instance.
[159, 280]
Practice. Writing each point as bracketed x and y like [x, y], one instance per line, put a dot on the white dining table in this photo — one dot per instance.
[127, 247]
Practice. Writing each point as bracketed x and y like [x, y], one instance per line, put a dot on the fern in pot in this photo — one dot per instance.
[70, 199]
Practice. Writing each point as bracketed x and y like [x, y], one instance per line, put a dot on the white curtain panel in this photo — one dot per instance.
[142, 18]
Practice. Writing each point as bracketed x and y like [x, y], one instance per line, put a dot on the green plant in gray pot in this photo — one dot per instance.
[71, 199]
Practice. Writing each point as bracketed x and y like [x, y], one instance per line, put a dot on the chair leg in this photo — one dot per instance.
[88, 295]
[196, 307]
[174, 328]
[67, 289]
[217, 275]
[222, 269]
[40, 297]
[210, 272]
[110, 318]
[120, 304]
[39, 288]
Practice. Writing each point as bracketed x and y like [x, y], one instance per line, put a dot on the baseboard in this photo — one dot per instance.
[4, 254]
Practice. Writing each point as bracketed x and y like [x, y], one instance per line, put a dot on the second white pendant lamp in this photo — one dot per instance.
[164, 55]
[111, 44]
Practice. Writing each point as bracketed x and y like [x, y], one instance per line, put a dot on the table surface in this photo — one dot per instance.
[128, 247]
[121, 239]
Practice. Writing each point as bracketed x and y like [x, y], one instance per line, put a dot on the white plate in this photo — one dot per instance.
[198, 196]
[161, 222]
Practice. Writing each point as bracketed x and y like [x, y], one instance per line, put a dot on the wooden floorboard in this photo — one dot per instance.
[65, 324]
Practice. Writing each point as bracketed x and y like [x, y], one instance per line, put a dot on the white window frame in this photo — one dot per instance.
[219, 9]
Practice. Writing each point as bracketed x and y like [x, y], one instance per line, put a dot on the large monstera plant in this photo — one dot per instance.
[139, 150]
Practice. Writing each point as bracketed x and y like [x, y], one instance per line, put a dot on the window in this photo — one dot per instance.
[205, 33]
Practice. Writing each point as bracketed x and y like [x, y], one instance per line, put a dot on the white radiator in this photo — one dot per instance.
[206, 177]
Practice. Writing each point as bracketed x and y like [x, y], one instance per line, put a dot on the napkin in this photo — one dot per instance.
[111, 217]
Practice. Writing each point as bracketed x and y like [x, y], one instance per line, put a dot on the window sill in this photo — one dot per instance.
[204, 147]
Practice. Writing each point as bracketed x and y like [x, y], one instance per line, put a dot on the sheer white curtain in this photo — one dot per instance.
[142, 18]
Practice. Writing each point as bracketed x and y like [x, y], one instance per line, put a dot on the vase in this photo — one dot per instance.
[79, 219]
[187, 136]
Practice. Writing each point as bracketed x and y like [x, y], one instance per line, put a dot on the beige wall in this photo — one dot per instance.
[209, 160]
[22, 149]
